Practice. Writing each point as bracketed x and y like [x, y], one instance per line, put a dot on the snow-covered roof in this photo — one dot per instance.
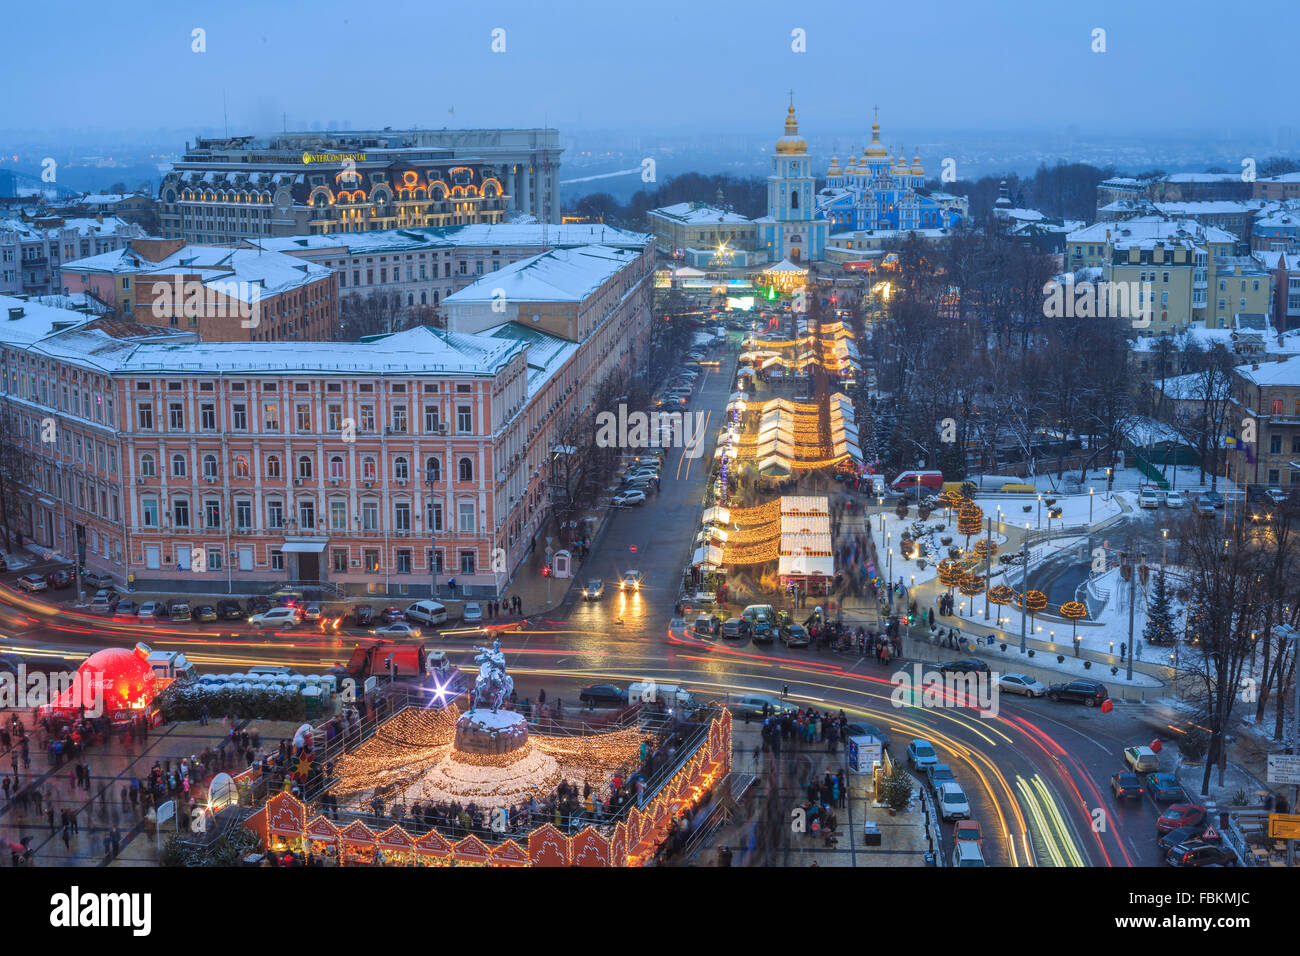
[1193, 387]
[1149, 229]
[699, 214]
[453, 237]
[1285, 372]
[233, 271]
[560, 275]
[1203, 178]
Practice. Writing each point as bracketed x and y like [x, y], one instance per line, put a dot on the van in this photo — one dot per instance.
[909, 480]
[758, 612]
[427, 612]
[967, 853]
[1011, 488]
[673, 696]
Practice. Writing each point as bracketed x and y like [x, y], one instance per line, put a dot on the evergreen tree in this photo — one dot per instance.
[1160, 618]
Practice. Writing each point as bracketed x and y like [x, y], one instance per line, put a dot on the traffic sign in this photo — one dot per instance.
[1284, 826]
[632, 548]
[1284, 768]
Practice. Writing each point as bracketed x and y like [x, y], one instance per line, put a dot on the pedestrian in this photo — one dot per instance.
[67, 837]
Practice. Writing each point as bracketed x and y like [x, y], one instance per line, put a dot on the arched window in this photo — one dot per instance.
[304, 466]
[147, 466]
[241, 466]
[273, 466]
[794, 199]
[466, 470]
[368, 468]
[178, 466]
[336, 467]
[209, 466]
[433, 470]
[400, 468]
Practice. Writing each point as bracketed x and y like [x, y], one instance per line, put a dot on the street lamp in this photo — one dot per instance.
[1090, 490]
[1164, 547]
[429, 479]
[1040, 509]
[1024, 590]
[1110, 479]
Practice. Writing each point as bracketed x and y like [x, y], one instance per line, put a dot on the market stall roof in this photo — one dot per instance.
[785, 265]
[805, 505]
[717, 513]
[707, 556]
[811, 524]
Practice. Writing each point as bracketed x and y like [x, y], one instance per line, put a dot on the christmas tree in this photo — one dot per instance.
[1160, 618]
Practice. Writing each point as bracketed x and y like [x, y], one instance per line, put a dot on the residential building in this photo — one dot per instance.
[32, 252]
[1284, 270]
[703, 234]
[1284, 186]
[1193, 187]
[231, 189]
[1268, 392]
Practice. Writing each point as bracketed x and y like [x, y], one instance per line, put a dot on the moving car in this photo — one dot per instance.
[794, 635]
[1021, 684]
[1164, 788]
[631, 581]
[1213, 497]
[953, 804]
[968, 831]
[1125, 785]
[311, 613]
[964, 666]
[938, 774]
[1201, 854]
[967, 853]
[1181, 815]
[1141, 759]
[206, 614]
[1090, 693]
[920, 754]
[32, 583]
[396, 630]
[633, 496]
[753, 704]
[60, 579]
[275, 617]
[1193, 834]
[595, 590]
[471, 613]
[608, 695]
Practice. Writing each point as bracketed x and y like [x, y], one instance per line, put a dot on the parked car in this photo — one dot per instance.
[1181, 815]
[952, 801]
[967, 853]
[1192, 834]
[1201, 854]
[1125, 785]
[152, 611]
[311, 613]
[275, 617]
[1142, 759]
[1175, 499]
[397, 629]
[1148, 498]
[471, 613]
[968, 831]
[1090, 693]
[631, 581]
[206, 614]
[921, 754]
[1213, 497]
[732, 629]
[607, 695]
[60, 579]
[794, 635]
[32, 583]
[104, 602]
[1021, 684]
[1203, 508]
[964, 666]
[753, 704]
[392, 614]
[179, 611]
[126, 611]
[363, 615]
[259, 604]
[1165, 788]
[97, 580]
[633, 496]
[594, 591]
[762, 633]
[230, 610]
[937, 774]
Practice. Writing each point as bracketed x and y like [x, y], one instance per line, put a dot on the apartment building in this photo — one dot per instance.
[1269, 393]
[33, 251]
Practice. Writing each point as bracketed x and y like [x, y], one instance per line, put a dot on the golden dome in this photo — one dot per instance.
[875, 150]
[835, 167]
[917, 169]
[790, 142]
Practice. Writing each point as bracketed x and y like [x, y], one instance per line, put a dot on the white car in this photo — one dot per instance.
[276, 617]
[967, 853]
[952, 802]
[1021, 684]
[630, 498]
[631, 581]
[33, 582]
[1174, 499]
[471, 613]
[1148, 498]
[397, 629]
[1142, 759]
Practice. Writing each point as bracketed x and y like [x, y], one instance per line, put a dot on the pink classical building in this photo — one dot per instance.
[368, 468]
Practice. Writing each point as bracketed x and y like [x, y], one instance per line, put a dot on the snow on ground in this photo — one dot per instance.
[936, 551]
[1186, 478]
[1074, 509]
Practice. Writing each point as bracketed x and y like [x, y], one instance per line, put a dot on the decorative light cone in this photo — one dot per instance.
[970, 584]
[1075, 611]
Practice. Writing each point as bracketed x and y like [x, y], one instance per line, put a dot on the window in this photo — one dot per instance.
[1277, 406]
[1274, 476]
[212, 513]
[178, 466]
[402, 560]
[306, 514]
[433, 469]
[339, 559]
[210, 467]
[275, 514]
[368, 469]
[338, 516]
[149, 512]
[334, 418]
[369, 516]
[277, 560]
[214, 559]
[270, 417]
[467, 562]
[208, 417]
[370, 559]
[367, 418]
[304, 466]
[464, 419]
[402, 516]
[144, 417]
[1275, 445]
[303, 414]
[434, 559]
[147, 467]
[399, 418]
[241, 466]
[243, 514]
[336, 467]
[181, 513]
[466, 469]
[431, 420]
[401, 470]
[176, 416]
[239, 417]
[467, 523]
[273, 466]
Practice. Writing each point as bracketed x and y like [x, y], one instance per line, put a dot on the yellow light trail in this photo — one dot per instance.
[1058, 821]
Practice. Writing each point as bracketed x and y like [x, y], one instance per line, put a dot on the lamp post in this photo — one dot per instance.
[1110, 482]
[1040, 509]
[1090, 491]
[988, 566]
[429, 479]
[1024, 589]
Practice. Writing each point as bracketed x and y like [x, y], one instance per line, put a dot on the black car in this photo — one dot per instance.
[733, 629]
[259, 604]
[1193, 834]
[231, 611]
[607, 694]
[794, 635]
[1126, 784]
[60, 579]
[1090, 693]
[964, 666]
[363, 615]
[1200, 854]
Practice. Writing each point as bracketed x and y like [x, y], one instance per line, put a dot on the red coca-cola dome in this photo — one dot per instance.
[121, 678]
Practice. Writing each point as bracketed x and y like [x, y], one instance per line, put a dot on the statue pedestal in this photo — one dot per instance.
[480, 731]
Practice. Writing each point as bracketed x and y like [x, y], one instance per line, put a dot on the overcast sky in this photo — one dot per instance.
[680, 65]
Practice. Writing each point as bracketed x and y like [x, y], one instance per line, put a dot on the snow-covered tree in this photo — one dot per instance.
[1160, 618]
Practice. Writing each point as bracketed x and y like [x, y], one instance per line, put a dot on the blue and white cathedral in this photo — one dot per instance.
[793, 228]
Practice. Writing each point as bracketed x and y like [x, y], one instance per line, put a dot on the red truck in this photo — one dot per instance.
[907, 482]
